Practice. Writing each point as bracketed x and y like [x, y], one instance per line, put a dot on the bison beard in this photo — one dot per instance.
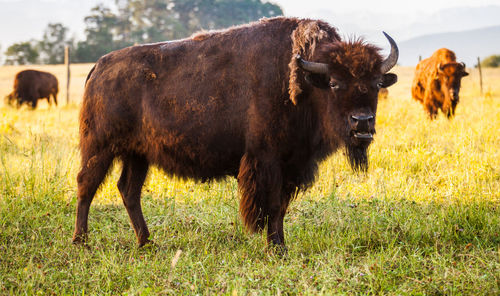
[358, 157]
[231, 103]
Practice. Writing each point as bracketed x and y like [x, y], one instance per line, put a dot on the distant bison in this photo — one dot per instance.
[31, 85]
[263, 102]
[437, 82]
[383, 93]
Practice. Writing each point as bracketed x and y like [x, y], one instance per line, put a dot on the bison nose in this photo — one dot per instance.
[362, 126]
[358, 118]
[361, 122]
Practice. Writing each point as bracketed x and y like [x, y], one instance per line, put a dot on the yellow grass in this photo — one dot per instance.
[424, 220]
[411, 158]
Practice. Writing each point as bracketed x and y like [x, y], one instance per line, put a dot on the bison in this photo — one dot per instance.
[437, 82]
[383, 93]
[31, 85]
[264, 102]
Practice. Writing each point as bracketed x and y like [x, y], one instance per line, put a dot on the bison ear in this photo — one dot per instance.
[465, 73]
[389, 79]
[317, 80]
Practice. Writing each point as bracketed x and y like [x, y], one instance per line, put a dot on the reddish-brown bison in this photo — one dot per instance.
[31, 85]
[437, 82]
[263, 102]
[383, 93]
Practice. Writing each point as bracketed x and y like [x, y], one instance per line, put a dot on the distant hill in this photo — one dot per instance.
[468, 45]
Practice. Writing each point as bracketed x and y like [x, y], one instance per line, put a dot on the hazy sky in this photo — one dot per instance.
[303, 7]
[22, 20]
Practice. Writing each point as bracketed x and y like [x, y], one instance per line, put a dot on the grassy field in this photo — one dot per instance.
[425, 219]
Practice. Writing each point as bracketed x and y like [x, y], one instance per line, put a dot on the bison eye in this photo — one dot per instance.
[380, 84]
[334, 85]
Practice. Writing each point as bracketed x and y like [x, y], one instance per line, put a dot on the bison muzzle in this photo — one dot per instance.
[264, 102]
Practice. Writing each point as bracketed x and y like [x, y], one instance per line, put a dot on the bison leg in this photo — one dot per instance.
[453, 107]
[34, 102]
[93, 172]
[275, 234]
[135, 169]
[446, 108]
[431, 108]
[55, 98]
[259, 182]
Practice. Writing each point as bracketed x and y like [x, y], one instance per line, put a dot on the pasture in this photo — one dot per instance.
[425, 219]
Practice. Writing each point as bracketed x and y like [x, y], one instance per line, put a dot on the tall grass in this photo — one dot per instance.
[425, 219]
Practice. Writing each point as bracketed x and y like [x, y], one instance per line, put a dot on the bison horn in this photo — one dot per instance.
[463, 64]
[392, 59]
[317, 68]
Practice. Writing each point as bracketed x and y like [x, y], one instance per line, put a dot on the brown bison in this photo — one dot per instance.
[437, 82]
[31, 85]
[263, 102]
[383, 93]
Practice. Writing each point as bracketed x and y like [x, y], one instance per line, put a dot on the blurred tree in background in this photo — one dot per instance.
[131, 22]
[21, 53]
[51, 48]
[493, 61]
[102, 35]
[215, 14]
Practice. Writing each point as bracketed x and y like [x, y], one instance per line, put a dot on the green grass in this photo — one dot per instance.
[424, 220]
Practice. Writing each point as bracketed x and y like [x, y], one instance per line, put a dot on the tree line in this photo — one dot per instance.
[131, 22]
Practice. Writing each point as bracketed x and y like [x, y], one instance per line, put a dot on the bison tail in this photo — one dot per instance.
[259, 184]
[90, 73]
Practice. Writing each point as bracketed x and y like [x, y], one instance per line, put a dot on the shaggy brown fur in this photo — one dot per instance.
[305, 39]
[31, 85]
[437, 82]
[218, 104]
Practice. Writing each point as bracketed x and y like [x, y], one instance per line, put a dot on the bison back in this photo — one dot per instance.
[189, 106]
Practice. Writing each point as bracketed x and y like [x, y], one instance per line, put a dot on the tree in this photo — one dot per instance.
[151, 20]
[146, 21]
[160, 20]
[102, 28]
[53, 43]
[492, 61]
[21, 53]
[216, 14]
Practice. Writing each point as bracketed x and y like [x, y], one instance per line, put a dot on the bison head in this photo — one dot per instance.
[448, 80]
[11, 99]
[345, 81]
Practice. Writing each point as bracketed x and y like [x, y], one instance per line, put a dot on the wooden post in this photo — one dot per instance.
[68, 74]
[420, 58]
[480, 75]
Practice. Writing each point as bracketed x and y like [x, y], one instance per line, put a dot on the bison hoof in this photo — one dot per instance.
[278, 250]
[79, 239]
[147, 243]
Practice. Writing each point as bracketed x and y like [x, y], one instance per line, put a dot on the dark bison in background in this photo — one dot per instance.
[31, 85]
[437, 82]
[263, 102]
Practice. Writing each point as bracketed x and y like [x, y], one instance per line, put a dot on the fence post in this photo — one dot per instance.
[420, 58]
[68, 74]
[480, 75]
